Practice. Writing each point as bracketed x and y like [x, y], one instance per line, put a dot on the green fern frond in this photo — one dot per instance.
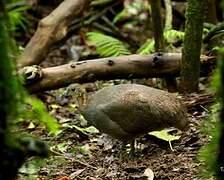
[16, 17]
[147, 47]
[119, 16]
[106, 46]
[170, 36]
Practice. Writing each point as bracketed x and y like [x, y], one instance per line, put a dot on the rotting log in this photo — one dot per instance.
[123, 67]
[51, 29]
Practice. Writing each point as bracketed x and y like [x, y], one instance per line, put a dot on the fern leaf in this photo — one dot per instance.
[173, 35]
[119, 16]
[147, 47]
[106, 46]
[170, 36]
[16, 17]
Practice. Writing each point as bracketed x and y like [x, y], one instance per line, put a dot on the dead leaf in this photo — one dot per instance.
[63, 178]
[149, 173]
[31, 126]
[164, 135]
[76, 173]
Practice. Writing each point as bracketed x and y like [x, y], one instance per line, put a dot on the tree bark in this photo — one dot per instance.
[157, 25]
[51, 29]
[190, 71]
[124, 67]
[211, 16]
[169, 15]
[159, 38]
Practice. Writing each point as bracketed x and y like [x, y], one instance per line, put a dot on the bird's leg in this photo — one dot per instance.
[132, 151]
[122, 153]
[123, 147]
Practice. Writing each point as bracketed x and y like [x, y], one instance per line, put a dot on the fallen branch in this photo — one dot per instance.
[124, 67]
[72, 159]
[51, 29]
[194, 101]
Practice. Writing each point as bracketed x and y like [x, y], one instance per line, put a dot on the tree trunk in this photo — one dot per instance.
[157, 25]
[159, 39]
[169, 15]
[11, 156]
[211, 15]
[192, 46]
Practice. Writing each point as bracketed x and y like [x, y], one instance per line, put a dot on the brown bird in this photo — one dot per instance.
[128, 111]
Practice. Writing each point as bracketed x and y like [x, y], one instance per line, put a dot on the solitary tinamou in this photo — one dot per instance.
[128, 111]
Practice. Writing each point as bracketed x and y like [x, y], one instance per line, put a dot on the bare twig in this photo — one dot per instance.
[72, 159]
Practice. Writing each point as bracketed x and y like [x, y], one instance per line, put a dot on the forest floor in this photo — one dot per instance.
[82, 153]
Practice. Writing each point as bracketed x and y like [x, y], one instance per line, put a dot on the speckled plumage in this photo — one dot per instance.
[127, 111]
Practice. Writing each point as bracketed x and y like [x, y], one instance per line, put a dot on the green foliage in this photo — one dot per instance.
[32, 167]
[100, 2]
[147, 47]
[9, 84]
[17, 18]
[11, 94]
[65, 147]
[39, 112]
[15, 10]
[211, 128]
[14, 102]
[86, 131]
[164, 135]
[216, 78]
[119, 16]
[205, 31]
[170, 36]
[132, 8]
[106, 46]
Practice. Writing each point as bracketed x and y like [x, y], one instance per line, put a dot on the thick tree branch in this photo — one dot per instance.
[124, 67]
[50, 30]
